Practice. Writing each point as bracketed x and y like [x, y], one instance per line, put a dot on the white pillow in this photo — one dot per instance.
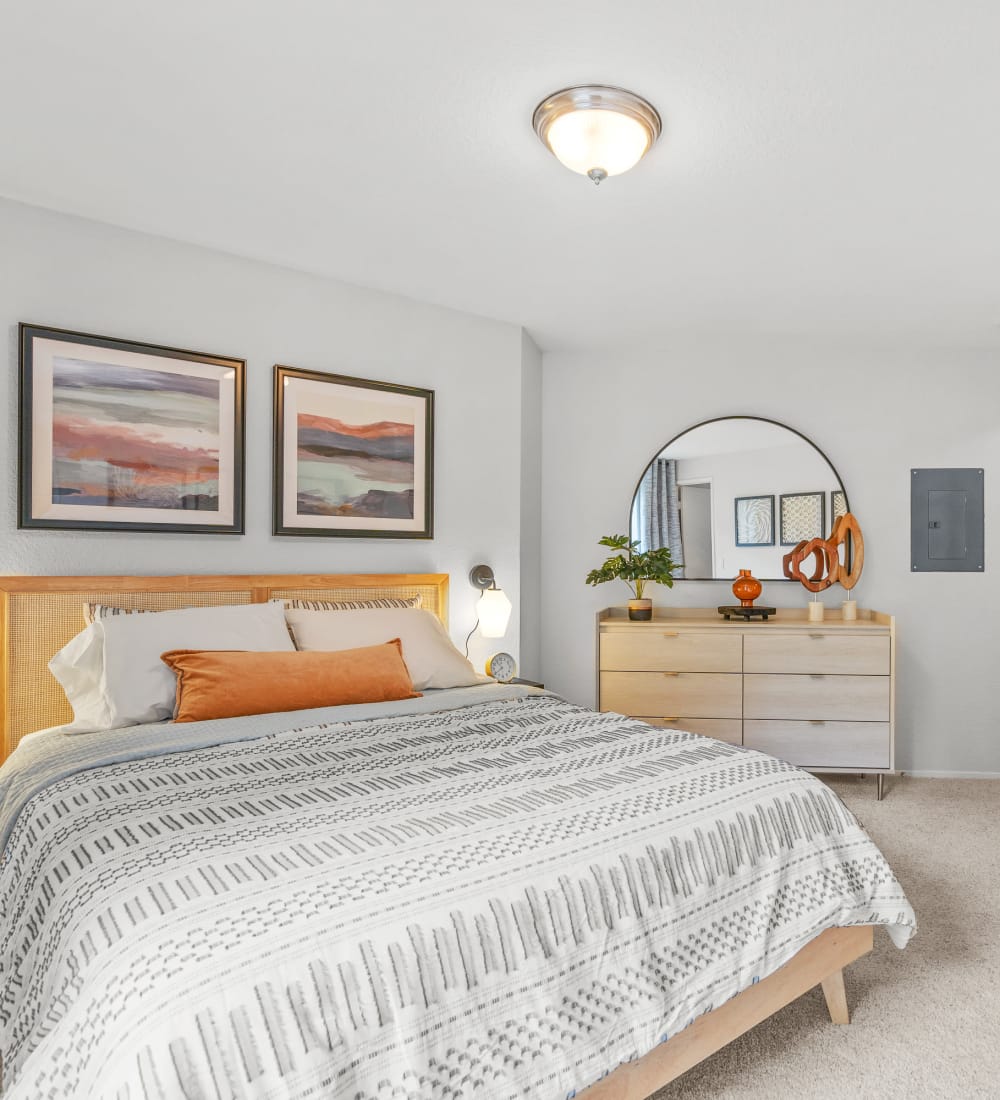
[432, 659]
[78, 667]
[133, 684]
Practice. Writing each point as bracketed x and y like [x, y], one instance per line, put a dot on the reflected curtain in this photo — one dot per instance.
[658, 512]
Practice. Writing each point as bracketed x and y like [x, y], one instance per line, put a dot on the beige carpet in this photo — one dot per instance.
[925, 1021]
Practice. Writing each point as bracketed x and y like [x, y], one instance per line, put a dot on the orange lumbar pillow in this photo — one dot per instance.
[227, 683]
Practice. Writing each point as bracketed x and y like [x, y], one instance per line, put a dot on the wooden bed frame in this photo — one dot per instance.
[39, 615]
[820, 962]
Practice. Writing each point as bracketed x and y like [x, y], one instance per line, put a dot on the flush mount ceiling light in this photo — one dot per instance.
[597, 130]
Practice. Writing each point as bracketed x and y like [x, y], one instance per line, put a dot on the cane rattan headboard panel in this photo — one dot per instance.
[39, 615]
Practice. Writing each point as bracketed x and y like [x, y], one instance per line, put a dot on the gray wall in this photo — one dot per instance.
[875, 415]
[499, 490]
[67, 272]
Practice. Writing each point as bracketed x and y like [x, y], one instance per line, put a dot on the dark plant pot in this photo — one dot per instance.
[640, 611]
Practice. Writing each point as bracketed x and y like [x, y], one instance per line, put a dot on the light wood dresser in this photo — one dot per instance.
[819, 695]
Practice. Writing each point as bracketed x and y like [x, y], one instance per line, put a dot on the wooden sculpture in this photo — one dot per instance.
[847, 525]
[825, 571]
[826, 553]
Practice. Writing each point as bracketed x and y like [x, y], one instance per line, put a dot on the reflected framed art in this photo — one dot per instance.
[803, 516]
[116, 435]
[838, 504]
[352, 457]
[755, 521]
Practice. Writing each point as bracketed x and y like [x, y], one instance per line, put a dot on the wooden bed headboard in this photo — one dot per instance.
[39, 615]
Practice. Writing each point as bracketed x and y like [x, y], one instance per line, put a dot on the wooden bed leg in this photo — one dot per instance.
[836, 997]
[713, 1030]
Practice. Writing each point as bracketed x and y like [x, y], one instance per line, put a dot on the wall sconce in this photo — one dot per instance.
[494, 608]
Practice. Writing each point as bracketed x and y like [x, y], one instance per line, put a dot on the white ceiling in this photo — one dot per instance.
[827, 169]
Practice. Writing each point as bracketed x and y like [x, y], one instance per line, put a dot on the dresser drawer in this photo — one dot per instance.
[694, 694]
[858, 654]
[661, 649]
[822, 744]
[834, 698]
[722, 729]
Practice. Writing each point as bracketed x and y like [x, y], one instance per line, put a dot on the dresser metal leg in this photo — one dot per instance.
[880, 786]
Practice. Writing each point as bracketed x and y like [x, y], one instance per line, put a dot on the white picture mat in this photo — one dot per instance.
[320, 399]
[44, 351]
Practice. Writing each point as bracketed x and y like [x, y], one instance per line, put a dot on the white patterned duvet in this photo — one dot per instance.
[503, 899]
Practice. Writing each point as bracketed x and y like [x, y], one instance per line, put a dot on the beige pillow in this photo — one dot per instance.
[98, 612]
[432, 659]
[355, 605]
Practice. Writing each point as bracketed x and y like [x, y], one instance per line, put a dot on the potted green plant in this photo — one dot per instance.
[635, 567]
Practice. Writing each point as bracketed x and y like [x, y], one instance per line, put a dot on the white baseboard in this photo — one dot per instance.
[952, 775]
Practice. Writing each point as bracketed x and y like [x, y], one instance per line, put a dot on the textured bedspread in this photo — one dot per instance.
[505, 899]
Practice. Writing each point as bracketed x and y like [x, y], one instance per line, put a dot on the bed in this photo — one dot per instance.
[482, 891]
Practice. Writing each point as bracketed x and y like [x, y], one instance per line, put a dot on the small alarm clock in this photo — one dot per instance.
[502, 667]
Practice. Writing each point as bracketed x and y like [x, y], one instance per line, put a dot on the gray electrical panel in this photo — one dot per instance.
[946, 521]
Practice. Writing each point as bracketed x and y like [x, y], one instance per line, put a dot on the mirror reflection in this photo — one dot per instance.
[735, 493]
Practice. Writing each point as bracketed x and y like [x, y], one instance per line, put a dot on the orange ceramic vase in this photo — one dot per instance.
[746, 588]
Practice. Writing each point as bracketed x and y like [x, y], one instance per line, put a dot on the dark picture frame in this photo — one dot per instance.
[802, 517]
[838, 504]
[754, 520]
[119, 435]
[353, 458]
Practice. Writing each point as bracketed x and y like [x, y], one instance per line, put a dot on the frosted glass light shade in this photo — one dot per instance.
[597, 130]
[587, 141]
[494, 613]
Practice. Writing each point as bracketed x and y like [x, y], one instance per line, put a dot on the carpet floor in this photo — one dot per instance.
[925, 1022]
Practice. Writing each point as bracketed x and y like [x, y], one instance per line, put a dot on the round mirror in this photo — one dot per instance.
[735, 493]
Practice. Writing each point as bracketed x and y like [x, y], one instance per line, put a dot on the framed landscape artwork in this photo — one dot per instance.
[120, 436]
[755, 521]
[803, 516]
[353, 458]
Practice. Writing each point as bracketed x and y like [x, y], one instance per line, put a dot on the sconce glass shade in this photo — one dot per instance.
[597, 130]
[494, 613]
